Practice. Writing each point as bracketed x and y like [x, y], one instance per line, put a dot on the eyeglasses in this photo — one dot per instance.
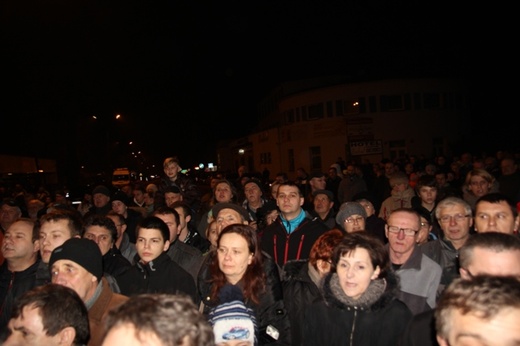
[407, 231]
[354, 219]
[448, 218]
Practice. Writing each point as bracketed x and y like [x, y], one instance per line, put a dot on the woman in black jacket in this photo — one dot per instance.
[239, 261]
[359, 305]
[302, 278]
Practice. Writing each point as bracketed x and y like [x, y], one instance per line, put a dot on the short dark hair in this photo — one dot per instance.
[171, 317]
[377, 251]
[59, 307]
[154, 222]
[495, 241]
[497, 197]
[166, 210]
[102, 221]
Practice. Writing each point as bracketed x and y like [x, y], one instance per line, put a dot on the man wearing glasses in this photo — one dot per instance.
[419, 275]
[456, 219]
[489, 253]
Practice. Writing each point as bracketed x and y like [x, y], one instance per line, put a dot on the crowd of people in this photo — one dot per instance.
[403, 252]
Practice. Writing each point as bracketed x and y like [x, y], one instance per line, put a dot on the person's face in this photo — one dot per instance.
[150, 244]
[288, 199]
[227, 216]
[400, 243]
[507, 167]
[369, 207]
[318, 183]
[424, 231]
[100, 200]
[322, 203]
[70, 274]
[213, 234]
[183, 219]
[213, 182]
[333, 173]
[389, 169]
[488, 262]
[469, 329]
[355, 272]
[399, 186]
[428, 194]
[119, 207]
[126, 334]
[174, 228]
[121, 227]
[408, 168]
[479, 186]
[452, 228]
[495, 217]
[233, 256]
[440, 178]
[354, 223]
[18, 244]
[252, 192]
[9, 214]
[127, 189]
[171, 170]
[101, 236]
[52, 235]
[223, 193]
[139, 196]
[171, 197]
[27, 330]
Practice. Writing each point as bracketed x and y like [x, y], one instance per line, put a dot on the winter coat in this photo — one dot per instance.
[300, 288]
[162, 275]
[13, 285]
[401, 199]
[282, 246]
[443, 252]
[270, 311]
[377, 318]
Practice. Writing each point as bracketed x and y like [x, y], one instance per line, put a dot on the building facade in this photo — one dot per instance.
[311, 125]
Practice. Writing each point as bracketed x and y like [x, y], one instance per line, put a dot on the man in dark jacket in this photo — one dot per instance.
[153, 270]
[102, 230]
[292, 235]
[101, 199]
[20, 249]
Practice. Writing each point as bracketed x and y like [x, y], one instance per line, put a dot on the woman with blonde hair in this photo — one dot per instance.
[478, 183]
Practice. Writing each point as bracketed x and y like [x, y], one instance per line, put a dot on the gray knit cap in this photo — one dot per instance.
[348, 209]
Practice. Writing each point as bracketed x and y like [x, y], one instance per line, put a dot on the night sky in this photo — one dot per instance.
[184, 74]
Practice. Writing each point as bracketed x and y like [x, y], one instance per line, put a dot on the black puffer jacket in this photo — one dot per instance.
[13, 285]
[271, 310]
[162, 275]
[377, 318]
[299, 291]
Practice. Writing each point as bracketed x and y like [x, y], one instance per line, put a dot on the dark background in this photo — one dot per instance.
[184, 74]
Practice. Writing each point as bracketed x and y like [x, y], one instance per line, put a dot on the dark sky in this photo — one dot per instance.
[184, 74]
